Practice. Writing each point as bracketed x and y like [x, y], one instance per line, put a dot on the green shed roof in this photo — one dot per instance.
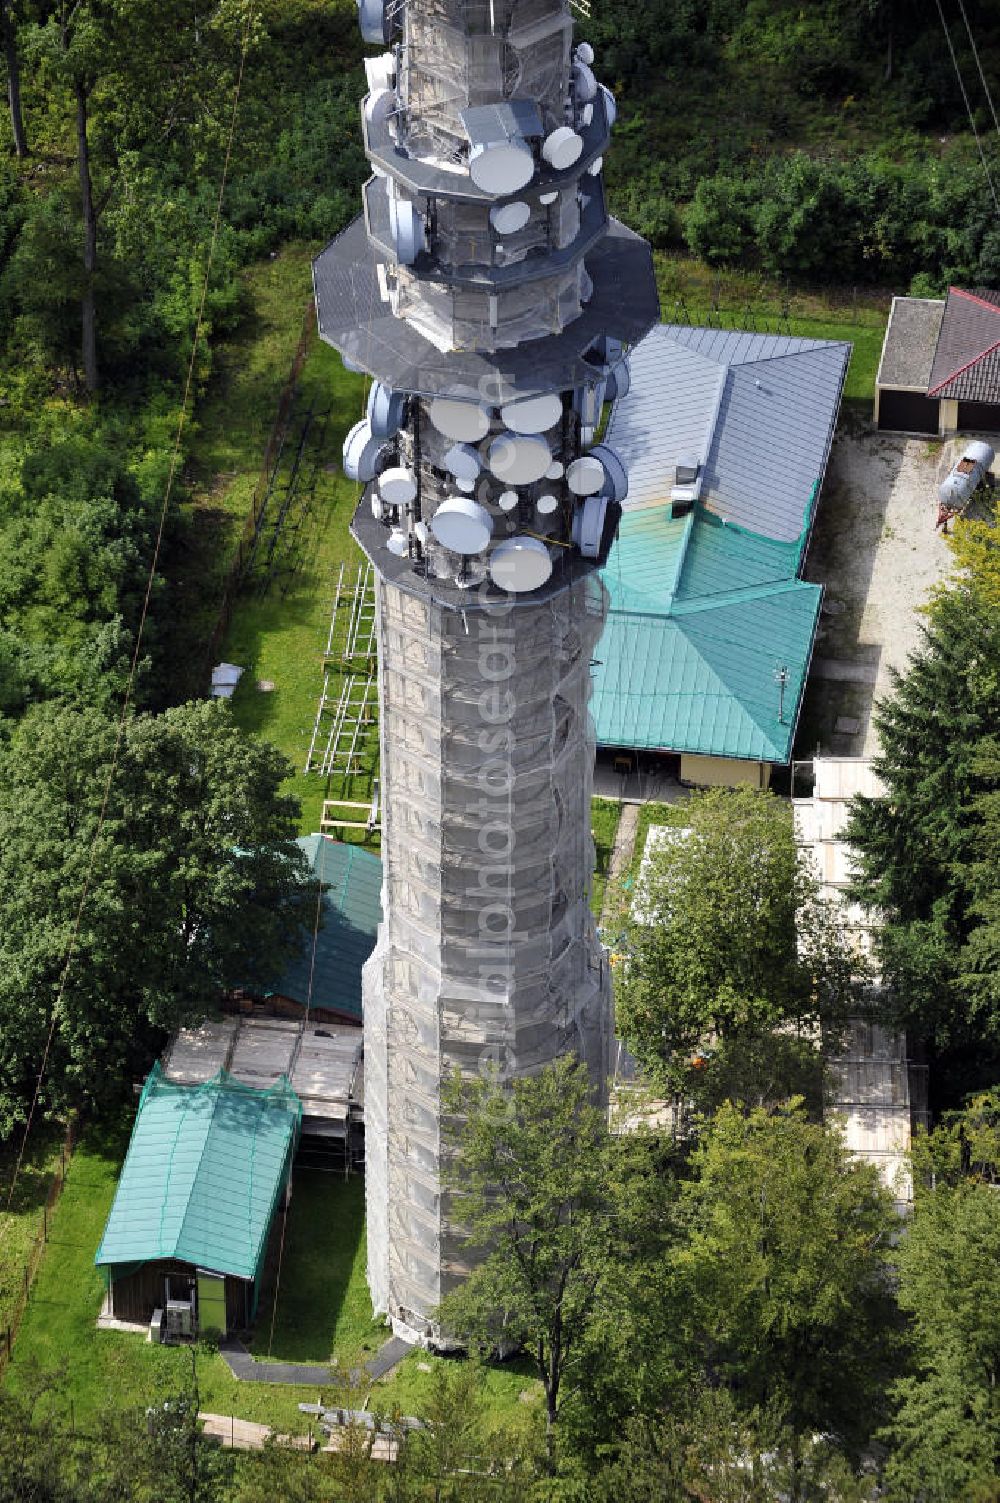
[203, 1174]
[703, 617]
[350, 918]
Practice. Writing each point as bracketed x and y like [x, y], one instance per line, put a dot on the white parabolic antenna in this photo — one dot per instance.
[500, 167]
[398, 486]
[519, 564]
[547, 198]
[462, 525]
[467, 422]
[532, 414]
[507, 501]
[547, 504]
[463, 462]
[562, 147]
[507, 219]
[397, 543]
[519, 460]
[585, 476]
[556, 470]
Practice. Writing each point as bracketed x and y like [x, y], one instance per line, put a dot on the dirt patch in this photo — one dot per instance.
[876, 550]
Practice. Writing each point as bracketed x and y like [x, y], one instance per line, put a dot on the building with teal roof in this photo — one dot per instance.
[326, 978]
[206, 1169]
[710, 629]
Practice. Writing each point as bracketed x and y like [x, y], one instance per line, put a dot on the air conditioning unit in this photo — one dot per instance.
[156, 1327]
[179, 1319]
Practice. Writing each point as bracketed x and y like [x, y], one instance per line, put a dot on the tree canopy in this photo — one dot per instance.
[193, 885]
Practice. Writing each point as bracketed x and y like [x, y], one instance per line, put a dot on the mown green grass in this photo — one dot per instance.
[22, 1225]
[323, 1307]
[604, 816]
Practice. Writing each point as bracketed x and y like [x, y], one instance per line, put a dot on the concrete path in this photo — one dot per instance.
[249, 1370]
[245, 1435]
[621, 856]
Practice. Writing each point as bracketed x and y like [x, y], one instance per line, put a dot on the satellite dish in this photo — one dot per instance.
[501, 167]
[587, 115]
[463, 462]
[547, 198]
[385, 410]
[584, 82]
[406, 227]
[619, 381]
[584, 52]
[466, 486]
[585, 476]
[616, 484]
[507, 219]
[595, 167]
[421, 532]
[467, 422]
[532, 414]
[562, 147]
[520, 563]
[398, 543]
[588, 525]
[508, 500]
[556, 470]
[379, 105]
[462, 525]
[610, 104]
[547, 504]
[362, 451]
[381, 72]
[375, 22]
[397, 486]
[519, 460]
[376, 506]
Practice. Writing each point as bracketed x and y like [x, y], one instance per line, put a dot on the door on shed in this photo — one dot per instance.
[211, 1302]
[983, 417]
[907, 412]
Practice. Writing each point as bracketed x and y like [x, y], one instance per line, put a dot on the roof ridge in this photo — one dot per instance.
[219, 1082]
[991, 349]
[815, 346]
[974, 297]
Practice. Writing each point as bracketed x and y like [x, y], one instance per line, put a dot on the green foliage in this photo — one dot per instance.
[193, 882]
[946, 1428]
[728, 941]
[928, 848]
[781, 1280]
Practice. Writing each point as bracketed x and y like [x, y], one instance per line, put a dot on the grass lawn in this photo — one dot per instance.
[323, 1311]
[604, 816]
[22, 1224]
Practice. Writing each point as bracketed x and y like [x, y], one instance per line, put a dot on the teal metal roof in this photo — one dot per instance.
[350, 916]
[703, 617]
[203, 1174]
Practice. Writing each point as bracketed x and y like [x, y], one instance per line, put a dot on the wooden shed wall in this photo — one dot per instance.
[137, 1293]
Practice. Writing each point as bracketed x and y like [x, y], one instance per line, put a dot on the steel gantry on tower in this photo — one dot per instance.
[493, 301]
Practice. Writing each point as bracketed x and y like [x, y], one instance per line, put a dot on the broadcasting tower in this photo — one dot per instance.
[492, 300]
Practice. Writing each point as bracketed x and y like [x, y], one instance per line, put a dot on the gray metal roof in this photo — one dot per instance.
[759, 410]
[910, 340]
[967, 357]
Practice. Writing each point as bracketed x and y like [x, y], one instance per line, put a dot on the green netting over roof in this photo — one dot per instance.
[346, 938]
[703, 618]
[203, 1174]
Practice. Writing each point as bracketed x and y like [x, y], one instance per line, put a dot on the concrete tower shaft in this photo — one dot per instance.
[493, 301]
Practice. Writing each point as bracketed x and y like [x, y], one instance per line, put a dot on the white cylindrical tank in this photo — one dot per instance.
[965, 476]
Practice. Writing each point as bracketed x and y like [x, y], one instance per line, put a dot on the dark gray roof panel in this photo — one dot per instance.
[758, 410]
[967, 358]
[909, 344]
[354, 319]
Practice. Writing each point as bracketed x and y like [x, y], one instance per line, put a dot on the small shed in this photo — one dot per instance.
[206, 1169]
[940, 366]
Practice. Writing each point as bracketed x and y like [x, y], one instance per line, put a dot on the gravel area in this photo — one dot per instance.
[876, 550]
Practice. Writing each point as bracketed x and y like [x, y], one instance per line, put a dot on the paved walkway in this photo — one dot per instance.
[249, 1370]
[621, 856]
